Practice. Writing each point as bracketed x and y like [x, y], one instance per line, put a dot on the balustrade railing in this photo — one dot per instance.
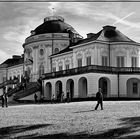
[91, 68]
[45, 37]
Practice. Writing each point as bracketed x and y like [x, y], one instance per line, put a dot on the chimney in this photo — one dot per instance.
[108, 27]
[109, 31]
[89, 35]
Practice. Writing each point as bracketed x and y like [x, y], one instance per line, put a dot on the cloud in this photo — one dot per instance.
[4, 55]
[17, 19]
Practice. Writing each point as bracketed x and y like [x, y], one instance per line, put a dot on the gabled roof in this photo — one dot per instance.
[94, 37]
[107, 34]
[111, 34]
[12, 62]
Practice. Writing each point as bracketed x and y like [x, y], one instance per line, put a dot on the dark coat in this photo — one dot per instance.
[99, 96]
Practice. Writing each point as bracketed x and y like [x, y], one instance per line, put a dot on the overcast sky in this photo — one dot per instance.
[17, 19]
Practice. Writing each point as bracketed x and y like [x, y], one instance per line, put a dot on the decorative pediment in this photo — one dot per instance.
[54, 64]
[67, 61]
[35, 47]
[48, 45]
[120, 52]
[134, 52]
[28, 50]
[60, 63]
[79, 55]
[104, 52]
[88, 52]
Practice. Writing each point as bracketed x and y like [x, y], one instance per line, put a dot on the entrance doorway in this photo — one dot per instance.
[70, 87]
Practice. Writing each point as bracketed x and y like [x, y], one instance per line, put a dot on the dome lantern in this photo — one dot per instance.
[51, 18]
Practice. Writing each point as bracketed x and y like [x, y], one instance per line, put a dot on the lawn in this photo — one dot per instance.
[119, 119]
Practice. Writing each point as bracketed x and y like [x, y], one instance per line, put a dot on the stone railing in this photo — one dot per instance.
[91, 68]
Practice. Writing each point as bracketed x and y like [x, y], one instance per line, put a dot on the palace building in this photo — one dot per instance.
[66, 61]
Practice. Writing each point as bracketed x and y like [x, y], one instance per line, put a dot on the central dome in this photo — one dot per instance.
[54, 24]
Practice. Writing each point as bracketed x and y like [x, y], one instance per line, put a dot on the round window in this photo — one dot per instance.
[41, 51]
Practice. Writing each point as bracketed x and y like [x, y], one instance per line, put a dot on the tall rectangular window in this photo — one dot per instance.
[88, 60]
[135, 88]
[79, 62]
[60, 68]
[134, 61]
[4, 79]
[18, 77]
[54, 69]
[104, 61]
[120, 61]
[67, 66]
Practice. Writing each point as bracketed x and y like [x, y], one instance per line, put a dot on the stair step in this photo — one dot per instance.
[30, 89]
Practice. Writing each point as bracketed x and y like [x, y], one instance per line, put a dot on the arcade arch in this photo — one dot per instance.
[70, 87]
[48, 91]
[133, 87]
[82, 87]
[58, 89]
[104, 84]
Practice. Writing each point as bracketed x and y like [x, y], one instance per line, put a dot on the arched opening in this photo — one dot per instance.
[58, 90]
[28, 72]
[48, 91]
[104, 84]
[29, 52]
[133, 87]
[70, 87]
[41, 52]
[56, 50]
[82, 86]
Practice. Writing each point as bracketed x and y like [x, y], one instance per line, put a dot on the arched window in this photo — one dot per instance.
[56, 50]
[41, 70]
[29, 52]
[41, 52]
[28, 71]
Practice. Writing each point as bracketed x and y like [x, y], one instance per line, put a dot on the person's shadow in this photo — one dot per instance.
[85, 111]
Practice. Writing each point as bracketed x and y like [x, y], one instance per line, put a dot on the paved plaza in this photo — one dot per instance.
[119, 119]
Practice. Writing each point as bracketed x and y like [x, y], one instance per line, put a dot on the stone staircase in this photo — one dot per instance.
[8, 82]
[31, 88]
[14, 90]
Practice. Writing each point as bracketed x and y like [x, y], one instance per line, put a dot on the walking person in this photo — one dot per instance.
[99, 97]
[25, 82]
[58, 96]
[68, 96]
[53, 99]
[6, 100]
[2, 98]
[42, 99]
[35, 98]
[62, 97]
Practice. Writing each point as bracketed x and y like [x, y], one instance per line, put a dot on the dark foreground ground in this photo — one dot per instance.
[119, 119]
